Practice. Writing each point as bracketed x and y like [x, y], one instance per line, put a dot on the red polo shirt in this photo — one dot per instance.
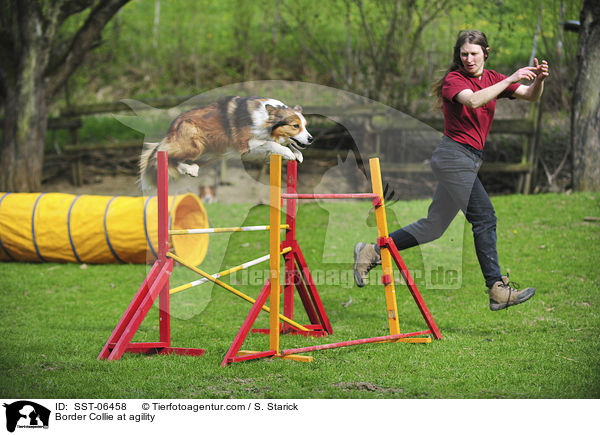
[461, 123]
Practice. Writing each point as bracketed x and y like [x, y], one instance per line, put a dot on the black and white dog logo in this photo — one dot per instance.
[26, 414]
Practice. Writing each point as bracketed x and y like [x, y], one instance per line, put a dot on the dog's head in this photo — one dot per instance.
[288, 126]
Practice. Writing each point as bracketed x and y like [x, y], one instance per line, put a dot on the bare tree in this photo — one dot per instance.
[38, 56]
[585, 118]
[377, 56]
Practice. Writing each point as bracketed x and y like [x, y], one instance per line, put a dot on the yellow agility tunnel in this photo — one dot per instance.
[61, 227]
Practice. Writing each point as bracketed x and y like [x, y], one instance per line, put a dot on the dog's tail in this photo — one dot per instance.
[148, 168]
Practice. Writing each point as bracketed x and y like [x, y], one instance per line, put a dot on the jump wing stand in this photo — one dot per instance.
[155, 285]
[308, 294]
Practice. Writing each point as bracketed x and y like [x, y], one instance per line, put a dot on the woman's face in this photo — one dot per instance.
[472, 59]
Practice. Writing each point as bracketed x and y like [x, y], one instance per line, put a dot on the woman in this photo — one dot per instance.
[468, 93]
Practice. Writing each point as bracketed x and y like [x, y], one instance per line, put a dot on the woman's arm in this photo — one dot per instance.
[480, 98]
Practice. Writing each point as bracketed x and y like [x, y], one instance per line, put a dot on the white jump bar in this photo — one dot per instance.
[224, 230]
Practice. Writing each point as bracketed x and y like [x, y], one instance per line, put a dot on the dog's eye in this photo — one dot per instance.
[296, 126]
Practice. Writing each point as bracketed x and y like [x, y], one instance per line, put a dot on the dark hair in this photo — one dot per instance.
[464, 36]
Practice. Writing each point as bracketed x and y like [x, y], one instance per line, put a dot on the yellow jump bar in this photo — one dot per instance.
[225, 272]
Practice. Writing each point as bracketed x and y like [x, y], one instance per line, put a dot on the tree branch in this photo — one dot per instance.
[83, 41]
[368, 33]
[322, 56]
[385, 57]
[72, 7]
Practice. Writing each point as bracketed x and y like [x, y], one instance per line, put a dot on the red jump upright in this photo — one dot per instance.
[155, 285]
[297, 276]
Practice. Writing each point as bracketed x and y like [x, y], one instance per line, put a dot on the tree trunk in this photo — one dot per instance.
[26, 117]
[585, 118]
[25, 109]
[32, 69]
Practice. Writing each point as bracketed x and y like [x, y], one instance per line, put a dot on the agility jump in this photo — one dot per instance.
[297, 274]
[388, 253]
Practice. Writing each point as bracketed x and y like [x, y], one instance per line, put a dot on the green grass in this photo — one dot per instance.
[57, 317]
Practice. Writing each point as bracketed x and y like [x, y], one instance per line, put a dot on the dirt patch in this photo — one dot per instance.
[366, 386]
[228, 388]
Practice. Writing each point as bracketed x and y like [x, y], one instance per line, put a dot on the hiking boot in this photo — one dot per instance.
[365, 259]
[503, 294]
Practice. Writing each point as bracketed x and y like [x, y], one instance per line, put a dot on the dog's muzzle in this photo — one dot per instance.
[299, 144]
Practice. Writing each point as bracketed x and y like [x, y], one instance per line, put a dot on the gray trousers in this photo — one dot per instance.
[455, 168]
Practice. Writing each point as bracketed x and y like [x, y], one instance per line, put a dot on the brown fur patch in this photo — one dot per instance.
[290, 126]
[195, 132]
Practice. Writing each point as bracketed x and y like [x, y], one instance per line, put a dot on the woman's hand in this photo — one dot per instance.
[534, 91]
[541, 69]
[525, 73]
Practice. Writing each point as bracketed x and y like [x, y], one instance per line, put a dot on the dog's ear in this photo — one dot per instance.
[298, 108]
[270, 109]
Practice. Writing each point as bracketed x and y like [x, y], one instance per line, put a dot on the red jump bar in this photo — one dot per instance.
[330, 196]
[352, 342]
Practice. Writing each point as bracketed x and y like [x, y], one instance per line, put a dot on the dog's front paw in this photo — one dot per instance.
[192, 169]
[298, 155]
[287, 154]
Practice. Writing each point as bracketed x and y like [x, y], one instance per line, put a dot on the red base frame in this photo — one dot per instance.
[160, 349]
